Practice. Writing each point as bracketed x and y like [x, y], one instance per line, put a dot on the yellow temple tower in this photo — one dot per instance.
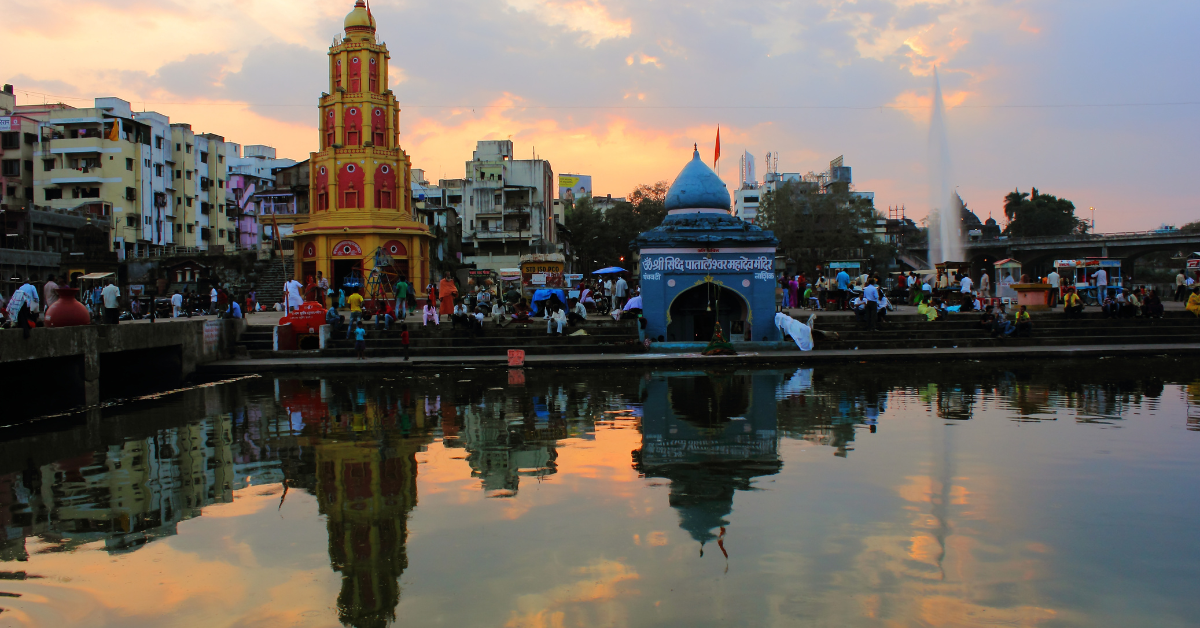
[360, 199]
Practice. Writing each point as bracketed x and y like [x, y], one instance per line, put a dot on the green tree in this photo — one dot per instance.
[601, 239]
[1191, 227]
[1040, 214]
[816, 228]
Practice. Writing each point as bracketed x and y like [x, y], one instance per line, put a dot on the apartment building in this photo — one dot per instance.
[508, 211]
[251, 178]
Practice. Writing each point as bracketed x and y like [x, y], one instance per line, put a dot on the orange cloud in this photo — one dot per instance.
[588, 17]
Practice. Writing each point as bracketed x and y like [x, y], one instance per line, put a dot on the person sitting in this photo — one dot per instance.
[968, 301]
[578, 313]
[333, 319]
[1024, 324]
[585, 298]
[521, 312]
[811, 297]
[459, 317]
[940, 306]
[1132, 306]
[430, 313]
[1111, 307]
[498, 313]
[385, 318]
[988, 317]
[1001, 326]
[1152, 307]
[859, 307]
[557, 318]
[885, 306]
[1193, 302]
[476, 321]
[1072, 304]
[927, 310]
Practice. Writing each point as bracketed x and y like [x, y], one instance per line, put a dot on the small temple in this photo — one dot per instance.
[703, 266]
[361, 208]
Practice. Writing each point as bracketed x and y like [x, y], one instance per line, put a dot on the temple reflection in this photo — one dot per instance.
[358, 458]
[711, 434]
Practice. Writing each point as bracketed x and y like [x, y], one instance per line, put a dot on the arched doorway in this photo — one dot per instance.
[696, 310]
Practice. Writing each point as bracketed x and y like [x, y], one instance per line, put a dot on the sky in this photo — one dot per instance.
[1092, 100]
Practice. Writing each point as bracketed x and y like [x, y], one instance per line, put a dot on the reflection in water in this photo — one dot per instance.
[711, 435]
[924, 525]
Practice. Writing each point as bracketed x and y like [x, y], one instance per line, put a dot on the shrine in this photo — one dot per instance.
[703, 266]
[359, 196]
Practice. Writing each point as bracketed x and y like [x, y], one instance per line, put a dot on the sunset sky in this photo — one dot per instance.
[1094, 100]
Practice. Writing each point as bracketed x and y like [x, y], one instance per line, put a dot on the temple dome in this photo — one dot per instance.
[360, 18]
[697, 187]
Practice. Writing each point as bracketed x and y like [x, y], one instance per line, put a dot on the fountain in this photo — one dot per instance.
[945, 208]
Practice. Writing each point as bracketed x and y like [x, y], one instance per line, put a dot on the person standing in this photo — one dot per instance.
[292, 298]
[322, 287]
[1180, 285]
[620, 293]
[112, 306]
[447, 293]
[355, 301]
[176, 304]
[49, 292]
[251, 300]
[1055, 281]
[402, 298]
[871, 297]
[360, 338]
[843, 287]
[1101, 278]
[404, 340]
[985, 285]
[965, 284]
[212, 300]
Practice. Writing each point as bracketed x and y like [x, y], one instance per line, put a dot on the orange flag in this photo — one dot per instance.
[717, 152]
[115, 134]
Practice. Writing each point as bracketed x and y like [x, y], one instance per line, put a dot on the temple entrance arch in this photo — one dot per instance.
[695, 311]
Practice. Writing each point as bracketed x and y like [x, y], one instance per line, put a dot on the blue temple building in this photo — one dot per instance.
[703, 265]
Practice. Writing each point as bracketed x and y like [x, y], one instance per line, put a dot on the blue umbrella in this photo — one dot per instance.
[611, 270]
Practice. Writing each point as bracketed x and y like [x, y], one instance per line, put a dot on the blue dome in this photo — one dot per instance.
[697, 187]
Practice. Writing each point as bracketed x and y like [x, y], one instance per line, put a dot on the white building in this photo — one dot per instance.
[508, 211]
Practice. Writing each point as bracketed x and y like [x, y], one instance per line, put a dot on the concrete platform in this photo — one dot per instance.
[796, 357]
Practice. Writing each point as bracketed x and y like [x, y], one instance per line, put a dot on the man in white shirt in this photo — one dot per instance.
[111, 295]
[212, 298]
[871, 296]
[1055, 281]
[620, 292]
[1101, 278]
[292, 291]
[965, 284]
[176, 304]
[985, 285]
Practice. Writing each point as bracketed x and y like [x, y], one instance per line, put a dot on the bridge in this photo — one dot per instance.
[1038, 253]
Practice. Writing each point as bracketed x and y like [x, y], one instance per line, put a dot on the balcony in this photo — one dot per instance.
[67, 176]
[76, 146]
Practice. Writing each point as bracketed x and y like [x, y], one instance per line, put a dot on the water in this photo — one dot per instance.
[945, 206]
[1056, 494]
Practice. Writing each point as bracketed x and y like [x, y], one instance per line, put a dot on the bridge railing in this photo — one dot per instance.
[1084, 237]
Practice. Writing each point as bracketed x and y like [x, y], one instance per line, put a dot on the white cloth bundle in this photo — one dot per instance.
[799, 332]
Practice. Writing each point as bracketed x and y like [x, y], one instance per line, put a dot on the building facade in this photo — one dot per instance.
[360, 179]
[509, 210]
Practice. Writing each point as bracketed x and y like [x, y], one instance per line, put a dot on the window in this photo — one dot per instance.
[149, 221]
[203, 157]
[220, 159]
[128, 163]
[189, 201]
[10, 168]
[158, 170]
[28, 165]
[177, 148]
[47, 165]
[158, 142]
[220, 184]
[30, 139]
[53, 194]
[147, 163]
[189, 175]
[130, 221]
[220, 233]
[130, 194]
[10, 140]
[191, 228]
[178, 228]
[178, 200]
[188, 148]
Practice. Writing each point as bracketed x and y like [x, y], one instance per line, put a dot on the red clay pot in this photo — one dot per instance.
[67, 311]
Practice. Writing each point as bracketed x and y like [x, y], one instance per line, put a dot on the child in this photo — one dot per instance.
[360, 341]
[404, 339]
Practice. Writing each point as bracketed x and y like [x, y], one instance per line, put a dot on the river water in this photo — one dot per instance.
[1025, 494]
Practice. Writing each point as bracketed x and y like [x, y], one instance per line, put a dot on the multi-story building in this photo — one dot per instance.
[438, 207]
[283, 206]
[251, 180]
[509, 210]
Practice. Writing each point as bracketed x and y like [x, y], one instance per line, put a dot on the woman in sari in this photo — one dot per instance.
[794, 292]
[1193, 303]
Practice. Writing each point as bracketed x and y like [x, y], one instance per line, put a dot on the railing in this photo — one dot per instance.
[1085, 237]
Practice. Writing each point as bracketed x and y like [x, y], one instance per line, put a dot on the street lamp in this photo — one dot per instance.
[1093, 210]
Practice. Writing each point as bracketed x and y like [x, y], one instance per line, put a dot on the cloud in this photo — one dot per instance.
[590, 18]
